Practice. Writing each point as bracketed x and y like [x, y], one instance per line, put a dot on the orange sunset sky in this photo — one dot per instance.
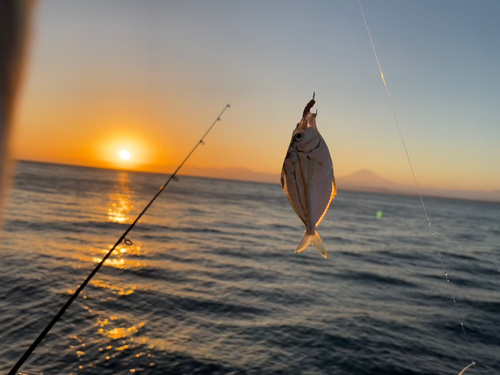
[150, 77]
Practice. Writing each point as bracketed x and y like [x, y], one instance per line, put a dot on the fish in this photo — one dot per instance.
[308, 179]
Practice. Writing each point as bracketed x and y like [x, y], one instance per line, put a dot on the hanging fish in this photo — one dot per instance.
[307, 178]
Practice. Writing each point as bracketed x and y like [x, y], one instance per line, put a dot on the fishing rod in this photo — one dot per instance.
[96, 269]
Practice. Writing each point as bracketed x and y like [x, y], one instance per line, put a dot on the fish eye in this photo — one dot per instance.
[299, 136]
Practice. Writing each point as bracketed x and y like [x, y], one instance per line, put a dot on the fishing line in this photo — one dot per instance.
[314, 43]
[122, 238]
[415, 179]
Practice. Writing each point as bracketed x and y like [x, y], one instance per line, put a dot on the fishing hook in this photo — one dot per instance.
[309, 105]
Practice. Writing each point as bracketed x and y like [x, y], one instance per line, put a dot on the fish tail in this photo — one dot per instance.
[314, 240]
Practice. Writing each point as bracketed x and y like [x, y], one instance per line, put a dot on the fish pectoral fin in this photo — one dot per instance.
[314, 240]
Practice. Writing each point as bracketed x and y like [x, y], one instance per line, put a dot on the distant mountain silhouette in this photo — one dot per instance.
[244, 174]
[365, 180]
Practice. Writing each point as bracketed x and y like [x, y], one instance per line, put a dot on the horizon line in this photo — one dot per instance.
[369, 189]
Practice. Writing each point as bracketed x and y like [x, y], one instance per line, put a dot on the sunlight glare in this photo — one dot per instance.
[125, 155]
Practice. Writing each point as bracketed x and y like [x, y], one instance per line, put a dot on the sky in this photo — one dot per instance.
[151, 76]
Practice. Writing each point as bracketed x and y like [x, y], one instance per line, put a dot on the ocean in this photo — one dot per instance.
[211, 283]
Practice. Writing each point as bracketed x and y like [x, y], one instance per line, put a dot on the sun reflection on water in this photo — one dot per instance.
[119, 332]
[120, 200]
[114, 289]
[123, 257]
[115, 337]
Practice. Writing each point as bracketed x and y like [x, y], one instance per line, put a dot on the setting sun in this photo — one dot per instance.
[125, 155]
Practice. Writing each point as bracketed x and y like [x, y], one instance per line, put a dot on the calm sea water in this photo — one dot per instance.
[211, 284]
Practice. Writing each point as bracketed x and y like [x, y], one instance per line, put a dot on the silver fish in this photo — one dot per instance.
[307, 178]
